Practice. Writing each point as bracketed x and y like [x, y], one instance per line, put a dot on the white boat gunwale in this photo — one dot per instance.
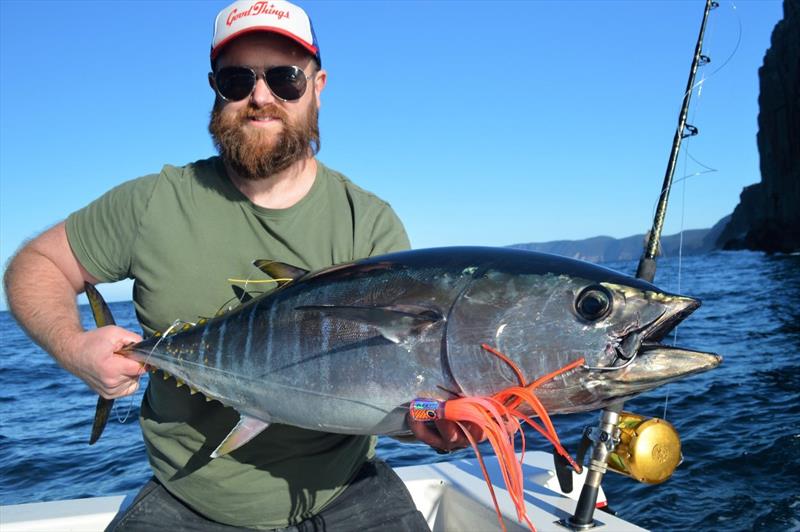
[452, 496]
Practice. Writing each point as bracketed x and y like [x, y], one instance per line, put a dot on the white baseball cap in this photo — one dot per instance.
[275, 16]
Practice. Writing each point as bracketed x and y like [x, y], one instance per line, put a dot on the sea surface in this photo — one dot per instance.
[740, 424]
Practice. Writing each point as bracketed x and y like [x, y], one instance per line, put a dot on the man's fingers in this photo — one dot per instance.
[475, 431]
[126, 337]
[443, 435]
[427, 433]
[126, 386]
[129, 387]
[446, 435]
[131, 368]
[452, 434]
[121, 376]
[120, 337]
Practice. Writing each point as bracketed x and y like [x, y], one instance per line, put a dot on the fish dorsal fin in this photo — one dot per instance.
[241, 294]
[396, 323]
[245, 430]
[280, 271]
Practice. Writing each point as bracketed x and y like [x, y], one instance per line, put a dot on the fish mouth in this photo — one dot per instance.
[657, 364]
[648, 336]
[646, 363]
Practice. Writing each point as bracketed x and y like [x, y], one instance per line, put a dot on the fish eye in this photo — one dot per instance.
[593, 303]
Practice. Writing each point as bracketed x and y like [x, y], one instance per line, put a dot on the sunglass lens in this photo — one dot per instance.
[286, 82]
[235, 83]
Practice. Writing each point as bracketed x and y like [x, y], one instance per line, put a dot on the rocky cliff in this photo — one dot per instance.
[768, 215]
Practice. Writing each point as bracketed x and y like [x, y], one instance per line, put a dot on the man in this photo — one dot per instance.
[180, 234]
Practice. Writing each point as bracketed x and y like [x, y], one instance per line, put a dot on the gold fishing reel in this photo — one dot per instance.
[649, 450]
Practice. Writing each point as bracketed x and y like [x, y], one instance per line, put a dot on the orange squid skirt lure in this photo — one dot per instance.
[500, 419]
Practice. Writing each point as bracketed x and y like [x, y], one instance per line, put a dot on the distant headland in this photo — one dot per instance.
[608, 249]
[768, 215]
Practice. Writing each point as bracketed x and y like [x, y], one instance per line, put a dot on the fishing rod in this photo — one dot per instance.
[605, 437]
[647, 264]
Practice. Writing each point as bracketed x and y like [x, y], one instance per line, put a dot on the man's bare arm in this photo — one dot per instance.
[42, 282]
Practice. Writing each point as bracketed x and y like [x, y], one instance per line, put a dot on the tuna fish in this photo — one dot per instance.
[346, 349]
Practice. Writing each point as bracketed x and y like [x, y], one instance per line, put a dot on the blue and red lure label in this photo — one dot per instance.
[426, 409]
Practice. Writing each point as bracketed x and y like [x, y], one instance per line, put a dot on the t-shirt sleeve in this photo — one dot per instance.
[103, 234]
[388, 234]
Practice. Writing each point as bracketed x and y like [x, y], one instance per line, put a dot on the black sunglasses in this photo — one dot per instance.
[234, 83]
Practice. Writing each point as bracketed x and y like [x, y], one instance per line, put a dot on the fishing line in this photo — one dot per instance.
[695, 108]
[708, 170]
[175, 324]
[727, 60]
[178, 322]
[246, 282]
[256, 281]
[682, 225]
[702, 82]
[687, 155]
[738, 41]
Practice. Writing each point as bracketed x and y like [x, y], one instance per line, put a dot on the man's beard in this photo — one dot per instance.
[256, 154]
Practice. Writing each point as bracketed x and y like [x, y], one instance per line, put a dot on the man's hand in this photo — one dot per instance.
[41, 284]
[93, 359]
[442, 435]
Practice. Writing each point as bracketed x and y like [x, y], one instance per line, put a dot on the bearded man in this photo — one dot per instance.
[181, 234]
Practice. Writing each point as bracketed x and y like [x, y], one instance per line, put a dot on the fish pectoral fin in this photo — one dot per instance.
[563, 472]
[280, 271]
[245, 430]
[396, 323]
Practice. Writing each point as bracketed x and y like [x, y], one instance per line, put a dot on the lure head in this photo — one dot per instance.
[558, 311]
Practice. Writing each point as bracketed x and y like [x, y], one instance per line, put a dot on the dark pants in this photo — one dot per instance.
[376, 500]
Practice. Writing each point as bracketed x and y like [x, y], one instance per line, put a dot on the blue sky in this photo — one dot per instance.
[485, 123]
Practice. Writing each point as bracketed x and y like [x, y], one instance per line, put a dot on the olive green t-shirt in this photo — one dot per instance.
[182, 235]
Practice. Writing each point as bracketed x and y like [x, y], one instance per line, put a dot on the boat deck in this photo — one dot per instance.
[452, 496]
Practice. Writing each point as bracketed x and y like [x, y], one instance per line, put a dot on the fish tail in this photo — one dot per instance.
[102, 317]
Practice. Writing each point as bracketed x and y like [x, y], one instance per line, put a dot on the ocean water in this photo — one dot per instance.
[740, 424]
